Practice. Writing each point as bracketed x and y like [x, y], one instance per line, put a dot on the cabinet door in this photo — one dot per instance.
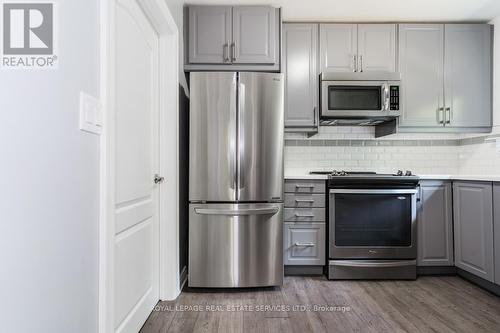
[421, 54]
[376, 47]
[473, 219]
[338, 47]
[254, 35]
[304, 244]
[209, 34]
[300, 45]
[496, 218]
[435, 224]
[467, 75]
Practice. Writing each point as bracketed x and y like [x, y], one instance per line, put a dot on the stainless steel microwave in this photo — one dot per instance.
[360, 95]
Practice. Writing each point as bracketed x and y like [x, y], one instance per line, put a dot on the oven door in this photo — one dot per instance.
[354, 98]
[372, 224]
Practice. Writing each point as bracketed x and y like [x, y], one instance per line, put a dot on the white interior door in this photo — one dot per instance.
[136, 252]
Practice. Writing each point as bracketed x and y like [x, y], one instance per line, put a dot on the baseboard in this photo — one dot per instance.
[485, 284]
[436, 270]
[304, 270]
[183, 277]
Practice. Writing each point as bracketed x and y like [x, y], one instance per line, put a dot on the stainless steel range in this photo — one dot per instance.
[372, 225]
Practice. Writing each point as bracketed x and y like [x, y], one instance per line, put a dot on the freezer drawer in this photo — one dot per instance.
[304, 243]
[235, 245]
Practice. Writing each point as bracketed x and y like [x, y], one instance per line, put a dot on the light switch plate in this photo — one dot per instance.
[90, 114]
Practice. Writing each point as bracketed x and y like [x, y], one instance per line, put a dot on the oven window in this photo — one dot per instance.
[354, 98]
[373, 219]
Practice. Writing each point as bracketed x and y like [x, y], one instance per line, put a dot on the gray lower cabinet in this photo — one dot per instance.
[304, 223]
[304, 244]
[473, 222]
[300, 58]
[496, 228]
[435, 224]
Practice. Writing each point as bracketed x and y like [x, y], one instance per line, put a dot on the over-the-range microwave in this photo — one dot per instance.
[360, 96]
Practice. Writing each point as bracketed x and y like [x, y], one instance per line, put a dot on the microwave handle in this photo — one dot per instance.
[386, 96]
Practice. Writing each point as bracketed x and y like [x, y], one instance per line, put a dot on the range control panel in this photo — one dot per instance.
[394, 102]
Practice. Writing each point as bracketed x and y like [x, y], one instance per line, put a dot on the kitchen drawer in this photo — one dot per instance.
[293, 200]
[305, 186]
[304, 215]
[304, 244]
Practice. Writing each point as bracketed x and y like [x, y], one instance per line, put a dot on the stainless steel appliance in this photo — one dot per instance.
[372, 225]
[367, 98]
[236, 179]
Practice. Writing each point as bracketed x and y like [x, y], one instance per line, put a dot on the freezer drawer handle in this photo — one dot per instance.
[237, 212]
[304, 215]
[304, 200]
[308, 244]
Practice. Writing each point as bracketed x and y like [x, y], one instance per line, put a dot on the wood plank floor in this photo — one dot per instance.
[430, 304]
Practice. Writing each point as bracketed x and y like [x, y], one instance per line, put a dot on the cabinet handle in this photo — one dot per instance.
[225, 52]
[233, 48]
[314, 115]
[440, 115]
[306, 244]
[304, 200]
[304, 215]
[361, 63]
[355, 64]
[304, 186]
[447, 115]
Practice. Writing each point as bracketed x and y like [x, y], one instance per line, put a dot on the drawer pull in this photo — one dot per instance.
[304, 186]
[304, 200]
[304, 215]
[307, 244]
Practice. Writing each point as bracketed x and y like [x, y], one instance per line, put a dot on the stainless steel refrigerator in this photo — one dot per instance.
[236, 179]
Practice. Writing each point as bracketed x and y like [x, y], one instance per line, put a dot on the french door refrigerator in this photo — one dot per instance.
[236, 179]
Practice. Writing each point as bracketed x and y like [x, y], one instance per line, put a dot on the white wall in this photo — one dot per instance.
[49, 186]
[176, 9]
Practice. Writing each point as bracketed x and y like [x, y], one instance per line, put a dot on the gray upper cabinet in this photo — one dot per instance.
[376, 47]
[421, 54]
[233, 38]
[254, 35]
[435, 224]
[209, 34]
[300, 53]
[496, 221]
[357, 47]
[467, 75]
[473, 221]
[338, 47]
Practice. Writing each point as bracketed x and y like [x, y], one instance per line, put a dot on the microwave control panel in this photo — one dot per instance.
[394, 95]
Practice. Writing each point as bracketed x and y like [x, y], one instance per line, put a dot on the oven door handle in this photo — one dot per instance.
[371, 191]
[373, 263]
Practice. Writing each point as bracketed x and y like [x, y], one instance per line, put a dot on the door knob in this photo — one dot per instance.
[158, 179]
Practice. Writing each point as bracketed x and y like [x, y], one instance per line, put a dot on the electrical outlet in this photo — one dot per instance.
[498, 145]
[90, 114]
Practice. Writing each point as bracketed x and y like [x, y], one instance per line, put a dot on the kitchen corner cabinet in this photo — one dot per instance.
[435, 224]
[473, 222]
[357, 47]
[233, 38]
[434, 59]
[496, 228]
[300, 58]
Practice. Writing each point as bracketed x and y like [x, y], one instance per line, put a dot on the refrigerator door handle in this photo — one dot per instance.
[236, 212]
[241, 146]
